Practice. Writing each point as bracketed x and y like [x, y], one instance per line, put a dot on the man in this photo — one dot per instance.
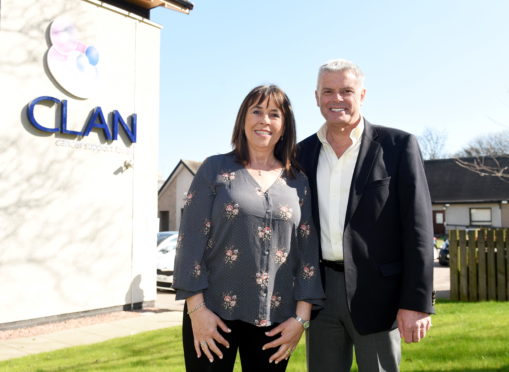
[372, 206]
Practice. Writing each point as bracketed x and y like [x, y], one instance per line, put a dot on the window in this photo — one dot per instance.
[439, 218]
[480, 216]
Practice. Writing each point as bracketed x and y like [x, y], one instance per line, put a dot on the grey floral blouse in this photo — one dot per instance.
[252, 254]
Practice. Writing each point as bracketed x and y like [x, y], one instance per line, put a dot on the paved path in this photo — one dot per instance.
[168, 313]
[441, 280]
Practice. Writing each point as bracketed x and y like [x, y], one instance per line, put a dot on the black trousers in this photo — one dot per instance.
[244, 337]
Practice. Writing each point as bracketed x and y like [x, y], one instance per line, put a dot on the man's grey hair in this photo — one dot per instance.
[337, 65]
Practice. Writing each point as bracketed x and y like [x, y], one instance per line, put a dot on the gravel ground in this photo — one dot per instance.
[165, 301]
[66, 324]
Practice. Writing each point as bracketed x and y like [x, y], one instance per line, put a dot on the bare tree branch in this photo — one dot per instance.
[494, 144]
[486, 166]
[486, 153]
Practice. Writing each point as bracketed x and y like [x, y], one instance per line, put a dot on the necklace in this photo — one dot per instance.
[259, 170]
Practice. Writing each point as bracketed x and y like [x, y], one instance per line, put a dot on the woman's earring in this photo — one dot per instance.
[281, 139]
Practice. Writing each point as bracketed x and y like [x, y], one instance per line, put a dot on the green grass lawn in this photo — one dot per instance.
[466, 337]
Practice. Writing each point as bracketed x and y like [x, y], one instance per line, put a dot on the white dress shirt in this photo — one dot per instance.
[333, 179]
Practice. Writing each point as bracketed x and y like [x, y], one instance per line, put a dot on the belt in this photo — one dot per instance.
[334, 265]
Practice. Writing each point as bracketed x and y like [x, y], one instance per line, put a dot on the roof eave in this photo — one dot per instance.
[182, 6]
[179, 6]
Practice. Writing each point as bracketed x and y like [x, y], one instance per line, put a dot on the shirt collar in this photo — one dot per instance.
[355, 134]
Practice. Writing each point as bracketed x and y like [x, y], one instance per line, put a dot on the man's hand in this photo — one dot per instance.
[413, 325]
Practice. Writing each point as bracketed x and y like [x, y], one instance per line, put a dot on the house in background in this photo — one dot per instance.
[463, 198]
[172, 192]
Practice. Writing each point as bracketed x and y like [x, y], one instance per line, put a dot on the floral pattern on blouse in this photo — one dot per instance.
[188, 198]
[285, 213]
[304, 230]
[264, 233]
[228, 176]
[210, 243]
[262, 279]
[196, 270]
[262, 323]
[308, 272]
[231, 210]
[280, 256]
[229, 301]
[231, 255]
[206, 226]
[244, 243]
[275, 301]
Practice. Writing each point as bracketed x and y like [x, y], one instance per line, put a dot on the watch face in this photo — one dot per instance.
[305, 323]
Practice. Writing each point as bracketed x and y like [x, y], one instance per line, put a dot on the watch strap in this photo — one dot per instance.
[305, 323]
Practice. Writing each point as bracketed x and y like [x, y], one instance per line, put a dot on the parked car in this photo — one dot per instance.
[165, 260]
[161, 235]
[443, 254]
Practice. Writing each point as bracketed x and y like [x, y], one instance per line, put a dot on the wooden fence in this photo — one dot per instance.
[479, 264]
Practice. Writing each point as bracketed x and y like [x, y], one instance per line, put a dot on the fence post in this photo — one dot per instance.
[453, 264]
[463, 267]
[506, 240]
[481, 254]
[491, 267]
[500, 255]
[472, 266]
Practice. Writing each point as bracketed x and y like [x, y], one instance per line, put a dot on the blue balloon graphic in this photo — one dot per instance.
[92, 55]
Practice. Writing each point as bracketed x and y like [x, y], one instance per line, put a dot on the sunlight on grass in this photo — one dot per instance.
[466, 337]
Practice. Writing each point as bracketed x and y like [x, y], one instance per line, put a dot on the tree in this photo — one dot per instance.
[432, 143]
[488, 155]
[494, 144]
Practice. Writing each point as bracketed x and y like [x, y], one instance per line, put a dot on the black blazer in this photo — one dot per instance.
[388, 235]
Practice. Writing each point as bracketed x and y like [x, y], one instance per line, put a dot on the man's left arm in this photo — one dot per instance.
[416, 302]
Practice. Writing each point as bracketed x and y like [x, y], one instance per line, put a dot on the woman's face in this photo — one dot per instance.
[264, 125]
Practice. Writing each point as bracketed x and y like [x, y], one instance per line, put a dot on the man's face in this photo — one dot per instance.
[339, 96]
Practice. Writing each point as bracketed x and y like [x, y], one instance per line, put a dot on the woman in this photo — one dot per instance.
[247, 257]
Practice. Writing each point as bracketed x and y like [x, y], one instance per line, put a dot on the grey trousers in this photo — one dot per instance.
[331, 338]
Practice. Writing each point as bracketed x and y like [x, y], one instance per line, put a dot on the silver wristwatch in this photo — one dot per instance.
[305, 323]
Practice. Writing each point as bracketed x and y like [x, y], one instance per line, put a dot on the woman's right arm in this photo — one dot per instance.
[190, 274]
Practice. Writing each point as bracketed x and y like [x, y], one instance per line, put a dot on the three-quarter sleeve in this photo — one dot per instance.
[190, 271]
[308, 284]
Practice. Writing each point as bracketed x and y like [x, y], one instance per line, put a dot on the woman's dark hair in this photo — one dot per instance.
[285, 147]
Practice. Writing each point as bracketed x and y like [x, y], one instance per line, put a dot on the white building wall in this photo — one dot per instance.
[77, 228]
[458, 215]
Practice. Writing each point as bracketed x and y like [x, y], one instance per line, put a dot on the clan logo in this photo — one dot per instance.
[73, 64]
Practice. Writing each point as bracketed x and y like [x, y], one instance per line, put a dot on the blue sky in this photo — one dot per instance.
[439, 64]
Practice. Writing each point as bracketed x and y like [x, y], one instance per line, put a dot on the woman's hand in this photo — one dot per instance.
[291, 331]
[206, 334]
